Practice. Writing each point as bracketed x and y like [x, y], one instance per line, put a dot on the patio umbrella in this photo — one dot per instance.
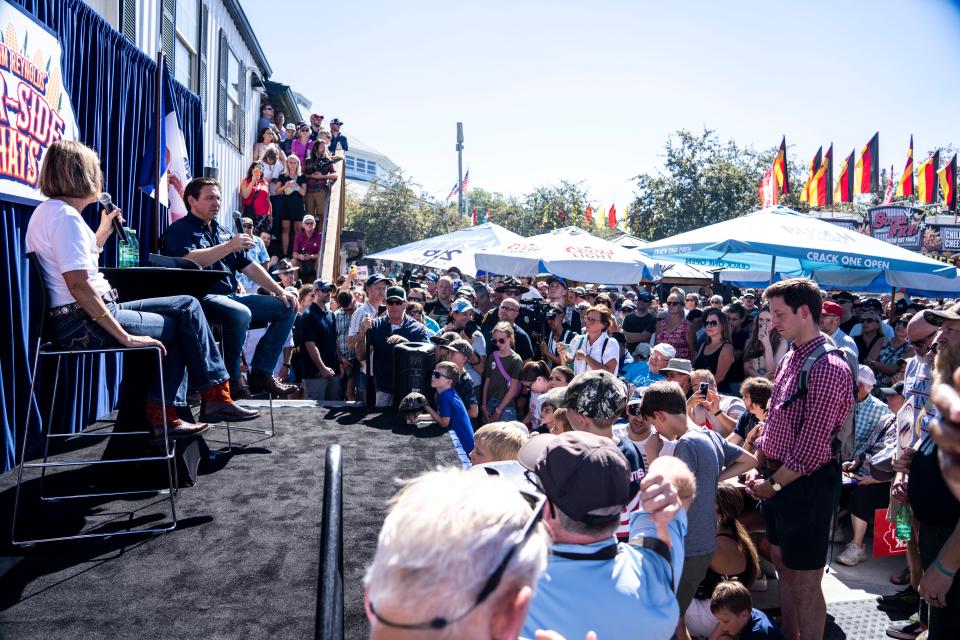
[780, 240]
[570, 253]
[455, 249]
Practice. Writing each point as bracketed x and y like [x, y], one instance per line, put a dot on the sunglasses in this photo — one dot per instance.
[917, 344]
[712, 323]
[415, 312]
[437, 375]
[868, 320]
[395, 303]
[674, 304]
[502, 341]
[633, 409]
[537, 502]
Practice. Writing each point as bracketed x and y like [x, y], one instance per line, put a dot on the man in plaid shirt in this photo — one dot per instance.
[796, 448]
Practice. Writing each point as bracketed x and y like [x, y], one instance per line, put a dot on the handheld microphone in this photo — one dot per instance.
[107, 201]
[237, 222]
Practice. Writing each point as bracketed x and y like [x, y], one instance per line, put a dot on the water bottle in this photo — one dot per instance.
[902, 522]
[130, 252]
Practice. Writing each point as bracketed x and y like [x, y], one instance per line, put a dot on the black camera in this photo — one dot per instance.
[318, 165]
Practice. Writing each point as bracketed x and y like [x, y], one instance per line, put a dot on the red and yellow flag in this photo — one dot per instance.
[821, 193]
[948, 184]
[780, 167]
[775, 181]
[843, 192]
[867, 178]
[927, 179]
[588, 215]
[905, 186]
[814, 167]
[612, 217]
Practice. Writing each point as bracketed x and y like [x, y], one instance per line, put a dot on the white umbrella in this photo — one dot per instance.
[455, 249]
[570, 253]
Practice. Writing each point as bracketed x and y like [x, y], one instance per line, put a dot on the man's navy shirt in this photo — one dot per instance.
[189, 233]
[318, 325]
[383, 352]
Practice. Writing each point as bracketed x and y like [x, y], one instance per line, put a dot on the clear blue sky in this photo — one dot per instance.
[590, 91]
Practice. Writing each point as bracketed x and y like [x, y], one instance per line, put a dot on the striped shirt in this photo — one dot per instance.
[800, 436]
[342, 318]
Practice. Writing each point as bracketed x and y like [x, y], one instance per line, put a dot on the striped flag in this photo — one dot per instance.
[814, 167]
[844, 189]
[588, 215]
[488, 216]
[927, 179]
[612, 217]
[905, 185]
[820, 193]
[948, 184]
[867, 178]
[465, 185]
[891, 189]
[775, 181]
[452, 191]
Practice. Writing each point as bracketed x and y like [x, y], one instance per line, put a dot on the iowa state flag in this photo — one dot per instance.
[867, 177]
[927, 179]
[948, 184]
[843, 192]
[814, 167]
[905, 186]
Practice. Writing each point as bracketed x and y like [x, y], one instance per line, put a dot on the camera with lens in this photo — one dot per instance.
[318, 165]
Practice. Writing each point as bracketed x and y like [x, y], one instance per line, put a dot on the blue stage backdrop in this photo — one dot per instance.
[112, 85]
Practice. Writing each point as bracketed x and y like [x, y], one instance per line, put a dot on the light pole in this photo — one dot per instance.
[460, 168]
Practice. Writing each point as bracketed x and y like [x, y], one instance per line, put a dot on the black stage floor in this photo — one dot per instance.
[243, 560]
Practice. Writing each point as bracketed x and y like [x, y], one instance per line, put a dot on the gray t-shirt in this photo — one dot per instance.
[707, 454]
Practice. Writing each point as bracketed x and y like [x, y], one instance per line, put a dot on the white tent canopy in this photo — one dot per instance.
[455, 249]
[570, 253]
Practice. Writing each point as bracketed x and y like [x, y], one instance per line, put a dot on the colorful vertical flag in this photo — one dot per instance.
[769, 194]
[612, 217]
[775, 181]
[474, 217]
[905, 185]
[820, 193]
[867, 177]
[487, 216]
[814, 167]
[155, 181]
[844, 189]
[948, 184]
[927, 179]
[453, 191]
[588, 215]
[465, 185]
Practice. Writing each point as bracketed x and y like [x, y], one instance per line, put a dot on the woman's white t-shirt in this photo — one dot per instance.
[603, 350]
[63, 242]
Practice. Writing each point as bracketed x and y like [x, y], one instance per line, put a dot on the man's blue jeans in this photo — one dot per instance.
[234, 314]
[176, 321]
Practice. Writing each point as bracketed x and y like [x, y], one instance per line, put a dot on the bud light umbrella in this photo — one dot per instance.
[780, 242]
[570, 253]
[455, 249]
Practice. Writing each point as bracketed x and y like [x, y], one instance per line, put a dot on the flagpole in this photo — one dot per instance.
[155, 241]
[460, 208]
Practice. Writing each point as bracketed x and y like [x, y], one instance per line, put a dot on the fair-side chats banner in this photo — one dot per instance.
[35, 109]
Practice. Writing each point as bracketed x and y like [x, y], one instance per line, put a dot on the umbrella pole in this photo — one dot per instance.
[773, 268]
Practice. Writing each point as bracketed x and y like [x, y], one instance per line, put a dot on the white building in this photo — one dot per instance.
[211, 48]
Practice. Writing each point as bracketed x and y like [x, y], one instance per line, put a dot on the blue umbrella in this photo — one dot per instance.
[781, 240]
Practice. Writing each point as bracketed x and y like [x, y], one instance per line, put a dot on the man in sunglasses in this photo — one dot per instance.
[458, 554]
[384, 334]
[616, 589]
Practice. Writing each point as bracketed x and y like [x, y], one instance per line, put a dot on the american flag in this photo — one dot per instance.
[463, 185]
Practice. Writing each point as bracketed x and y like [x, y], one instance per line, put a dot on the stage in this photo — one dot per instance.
[243, 560]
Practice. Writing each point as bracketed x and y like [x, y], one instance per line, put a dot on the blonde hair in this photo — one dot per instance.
[504, 327]
[70, 170]
[295, 158]
[560, 422]
[502, 440]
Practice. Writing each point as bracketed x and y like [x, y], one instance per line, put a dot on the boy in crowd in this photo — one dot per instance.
[498, 441]
[738, 620]
[459, 352]
[450, 413]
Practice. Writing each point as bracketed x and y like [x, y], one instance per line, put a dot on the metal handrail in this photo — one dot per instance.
[329, 613]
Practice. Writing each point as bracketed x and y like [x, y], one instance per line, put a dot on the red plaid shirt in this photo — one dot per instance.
[800, 436]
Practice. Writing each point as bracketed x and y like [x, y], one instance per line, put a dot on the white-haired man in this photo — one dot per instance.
[440, 572]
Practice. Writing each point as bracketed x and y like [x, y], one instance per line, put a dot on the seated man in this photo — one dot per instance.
[383, 334]
[200, 238]
[458, 556]
[709, 408]
[621, 589]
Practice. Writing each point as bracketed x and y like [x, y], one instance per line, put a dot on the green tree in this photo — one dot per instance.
[394, 211]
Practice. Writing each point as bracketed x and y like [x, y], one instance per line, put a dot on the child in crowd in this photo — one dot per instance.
[450, 413]
[459, 352]
[550, 403]
[738, 620]
[534, 380]
[560, 422]
[498, 441]
[560, 377]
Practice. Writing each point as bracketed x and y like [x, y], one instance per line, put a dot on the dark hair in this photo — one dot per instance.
[195, 186]
[263, 131]
[760, 390]
[798, 292]
[729, 508]
[344, 298]
[564, 371]
[662, 396]
[731, 596]
[753, 348]
[532, 370]
[253, 165]
[722, 317]
[735, 307]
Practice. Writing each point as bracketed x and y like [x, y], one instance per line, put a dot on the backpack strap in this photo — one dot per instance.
[659, 547]
[811, 359]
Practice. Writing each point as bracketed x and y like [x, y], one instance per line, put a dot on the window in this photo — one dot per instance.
[233, 97]
[361, 165]
[371, 168]
[351, 165]
[187, 42]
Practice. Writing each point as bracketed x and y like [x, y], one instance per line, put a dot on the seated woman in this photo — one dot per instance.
[735, 558]
[84, 312]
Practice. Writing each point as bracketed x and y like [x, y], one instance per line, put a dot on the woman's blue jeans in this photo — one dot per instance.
[176, 321]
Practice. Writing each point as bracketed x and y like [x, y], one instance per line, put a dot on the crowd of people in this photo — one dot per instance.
[672, 449]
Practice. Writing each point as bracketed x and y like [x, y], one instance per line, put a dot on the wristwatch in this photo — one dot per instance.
[776, 486]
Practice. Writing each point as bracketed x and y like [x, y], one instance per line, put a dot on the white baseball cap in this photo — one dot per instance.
[666, 350]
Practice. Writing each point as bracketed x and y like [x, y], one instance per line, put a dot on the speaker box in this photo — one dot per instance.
[412, 367]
